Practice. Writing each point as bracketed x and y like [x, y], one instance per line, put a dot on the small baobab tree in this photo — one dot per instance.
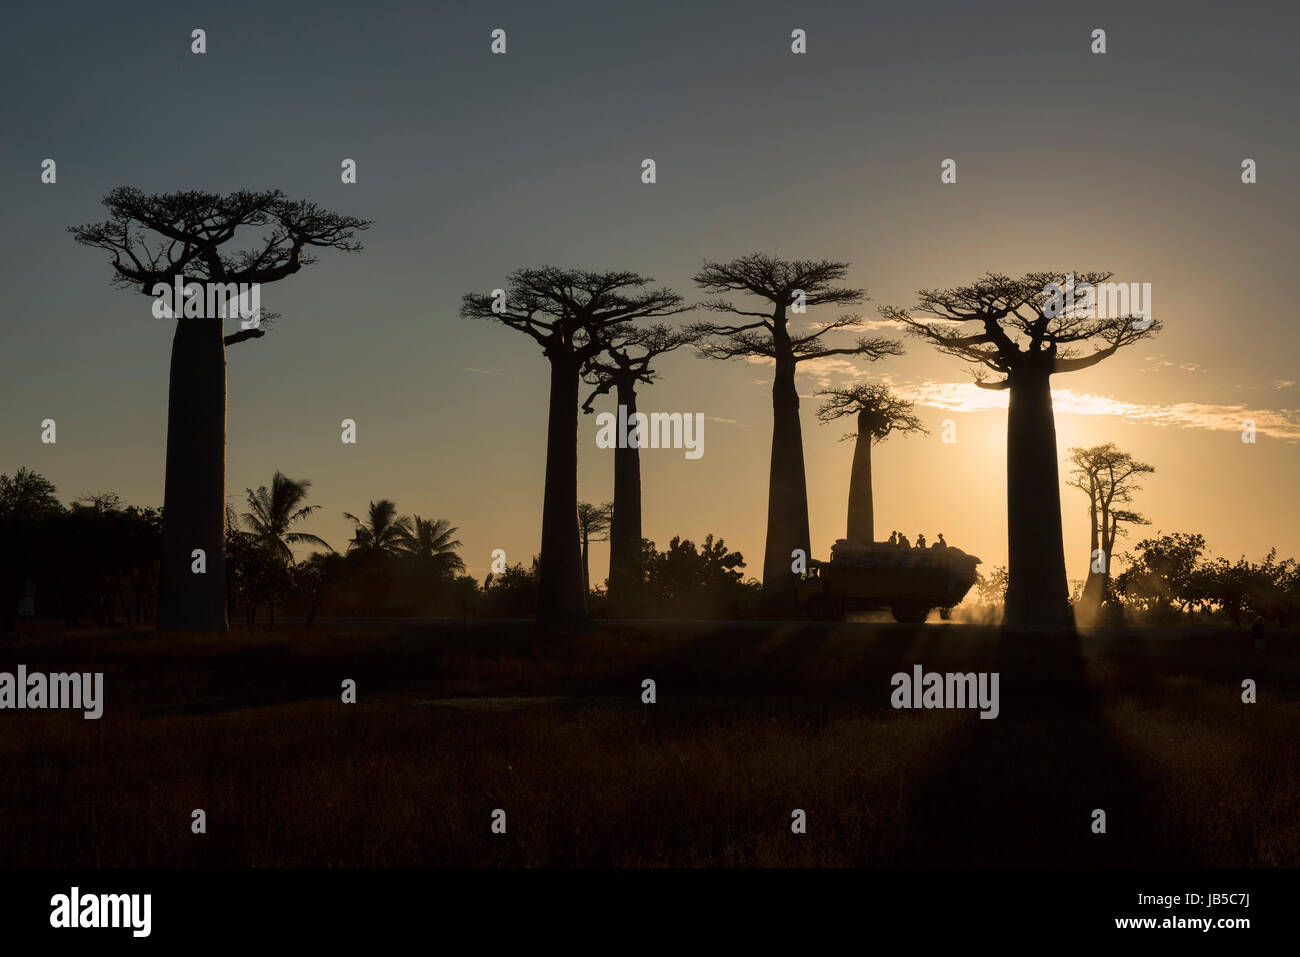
[623, 365]
[1109, 477]
[572, 314]
[593, 526]
[879, 414]
[784, 288]
[1022, 335]
[189, 238]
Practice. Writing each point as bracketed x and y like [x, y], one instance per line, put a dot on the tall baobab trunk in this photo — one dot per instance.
[561, 598]
[586, 562]
[787, 499]
[862, 520]
[1108, 526]
[1037, 593]
[1091, 597]
[625, 572]
[194, 496]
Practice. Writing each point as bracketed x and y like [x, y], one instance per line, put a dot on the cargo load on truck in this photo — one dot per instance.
[910, 582]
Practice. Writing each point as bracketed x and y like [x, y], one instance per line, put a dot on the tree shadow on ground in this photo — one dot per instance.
[1022, 789]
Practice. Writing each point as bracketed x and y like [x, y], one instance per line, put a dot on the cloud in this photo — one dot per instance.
[863, 325]
[1283, 383]
[715, 418]
[1159, 362]
[967, 397]
[822, 371]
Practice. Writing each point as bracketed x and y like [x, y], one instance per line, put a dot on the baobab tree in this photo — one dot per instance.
[784, 288]
[1024, 336]
[1109, 477]
[879, 414]
[572, 314]
[619, 368]
[593, 526]
[188, 238]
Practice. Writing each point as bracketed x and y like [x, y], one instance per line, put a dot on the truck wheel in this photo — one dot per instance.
[910, 613]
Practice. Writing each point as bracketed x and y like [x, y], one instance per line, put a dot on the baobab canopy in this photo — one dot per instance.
[1023, 338]
[1020, 327]
[178, 238]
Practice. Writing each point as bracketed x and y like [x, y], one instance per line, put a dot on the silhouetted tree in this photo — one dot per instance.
[782, 285]
[879, 413]
[1025, 339]
[431, 545]
[593, 526]
[272, 512]
[1162, 573]
[28, 494]
[189, 231]
[383, 534]
[689, 582]
[378, 541]
[1109, 477]
[512, 592]
[428, 567]
[1267, 590]
[313, 578]
[28, 504]
[244, 561]
[572, 314]
[101, 502]
[992, 589]
[98, 560]
[619, 369]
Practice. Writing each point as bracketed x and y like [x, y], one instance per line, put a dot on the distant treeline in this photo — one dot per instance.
[95, 562]
[1169, 579]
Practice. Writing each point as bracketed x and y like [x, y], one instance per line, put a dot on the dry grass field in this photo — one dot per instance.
[752, 721]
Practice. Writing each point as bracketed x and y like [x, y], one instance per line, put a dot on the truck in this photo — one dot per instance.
[910, 582]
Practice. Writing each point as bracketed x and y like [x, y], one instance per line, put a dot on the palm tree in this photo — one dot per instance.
[383, 533]
[275, 511]
[431, 542]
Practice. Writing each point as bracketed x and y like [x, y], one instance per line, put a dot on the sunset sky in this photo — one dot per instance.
[472, 165]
